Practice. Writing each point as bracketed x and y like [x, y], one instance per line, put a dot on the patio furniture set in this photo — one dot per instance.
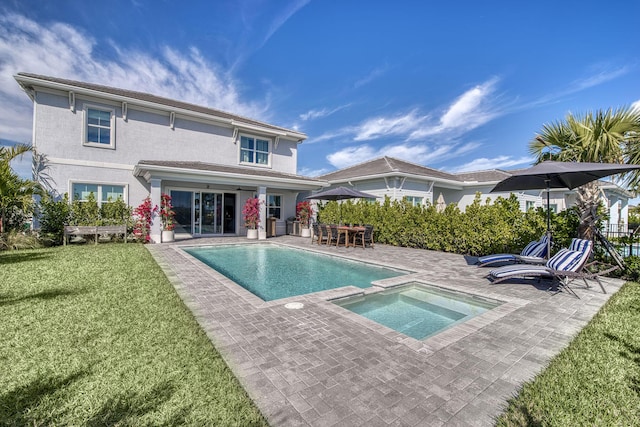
[332, 234]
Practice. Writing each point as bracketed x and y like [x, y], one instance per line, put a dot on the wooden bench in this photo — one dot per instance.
[94, 230]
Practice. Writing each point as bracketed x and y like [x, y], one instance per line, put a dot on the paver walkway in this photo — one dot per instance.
[323, 366]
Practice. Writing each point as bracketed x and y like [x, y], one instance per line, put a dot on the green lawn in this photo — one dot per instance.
[96, 335]
[596, 380]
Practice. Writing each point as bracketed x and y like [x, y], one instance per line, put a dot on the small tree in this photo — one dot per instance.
[304, 212]
[251, 213]
[54, 215]
[166, 212]
[144, 218]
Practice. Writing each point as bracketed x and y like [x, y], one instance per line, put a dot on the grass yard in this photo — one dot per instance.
[596, 380]
[96, 335]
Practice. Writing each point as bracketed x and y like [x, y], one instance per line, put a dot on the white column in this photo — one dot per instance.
[156, 227]
[262, 228]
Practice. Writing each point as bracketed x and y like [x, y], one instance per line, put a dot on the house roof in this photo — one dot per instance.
[28, 80]
[386, 166]
[248, 175]
[484, 176]
[390, 166]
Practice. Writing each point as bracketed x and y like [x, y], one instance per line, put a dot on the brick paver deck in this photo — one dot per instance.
[323, 365]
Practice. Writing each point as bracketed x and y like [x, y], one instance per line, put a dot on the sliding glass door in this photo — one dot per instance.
[204, 213]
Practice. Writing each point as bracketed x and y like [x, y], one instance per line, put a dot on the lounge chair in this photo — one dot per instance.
[534, 253]
[563, 267]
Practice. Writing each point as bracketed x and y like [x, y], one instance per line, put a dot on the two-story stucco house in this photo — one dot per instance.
[122, 143]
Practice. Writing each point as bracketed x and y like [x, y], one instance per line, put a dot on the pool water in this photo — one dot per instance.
[417, 310]
[272, 272]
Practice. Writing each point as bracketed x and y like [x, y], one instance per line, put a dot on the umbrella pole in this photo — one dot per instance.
[548, 222]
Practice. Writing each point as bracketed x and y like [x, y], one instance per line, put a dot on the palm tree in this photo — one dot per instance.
[610, 136]
[16, 194]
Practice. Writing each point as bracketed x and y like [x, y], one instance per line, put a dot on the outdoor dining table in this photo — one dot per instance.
[348, 231]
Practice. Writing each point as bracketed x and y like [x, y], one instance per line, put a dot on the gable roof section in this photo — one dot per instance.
[386, 166]
[28, 81]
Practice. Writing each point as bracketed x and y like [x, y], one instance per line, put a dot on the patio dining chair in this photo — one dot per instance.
[364, 237]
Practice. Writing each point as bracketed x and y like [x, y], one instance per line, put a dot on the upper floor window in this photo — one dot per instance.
[99, 129]
[274, 206]
[102, 193]
[254, 150]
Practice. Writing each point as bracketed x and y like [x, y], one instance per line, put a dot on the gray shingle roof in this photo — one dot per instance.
[146, 97]
[390, 165]
[386, 165]
[484, 176]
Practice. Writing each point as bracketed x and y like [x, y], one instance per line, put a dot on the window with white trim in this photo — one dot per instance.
[274, 206]
[255, 151]
[413, 200]
[99, 127]
[103, 193]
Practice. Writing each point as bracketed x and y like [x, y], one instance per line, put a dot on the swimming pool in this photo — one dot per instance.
[273, 272]
[417, 310]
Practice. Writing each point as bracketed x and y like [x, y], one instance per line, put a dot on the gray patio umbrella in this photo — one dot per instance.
[340, 193]
[550, 174]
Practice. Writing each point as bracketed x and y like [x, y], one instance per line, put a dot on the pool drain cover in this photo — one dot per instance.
[294, 305]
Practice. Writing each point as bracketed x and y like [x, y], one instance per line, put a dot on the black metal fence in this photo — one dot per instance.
[624, 237]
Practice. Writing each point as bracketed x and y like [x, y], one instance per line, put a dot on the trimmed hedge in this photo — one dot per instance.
[483, 228]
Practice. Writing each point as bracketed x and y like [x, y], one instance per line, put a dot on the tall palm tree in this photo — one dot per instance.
[610, 136]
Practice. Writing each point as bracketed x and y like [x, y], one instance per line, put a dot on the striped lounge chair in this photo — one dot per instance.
[566, 265]
[534, 253]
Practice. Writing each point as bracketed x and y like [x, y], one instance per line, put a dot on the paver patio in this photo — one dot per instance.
[323, 365]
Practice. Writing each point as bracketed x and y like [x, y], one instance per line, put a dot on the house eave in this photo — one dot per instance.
[28, 83]
[149, 172]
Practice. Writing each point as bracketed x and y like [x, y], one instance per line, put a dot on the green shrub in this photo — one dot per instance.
[54, 214]
[16, 240]
[483, 228]
[85, 212]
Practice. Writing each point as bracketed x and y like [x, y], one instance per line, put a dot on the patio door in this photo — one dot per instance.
[218, 213]
[204, 213]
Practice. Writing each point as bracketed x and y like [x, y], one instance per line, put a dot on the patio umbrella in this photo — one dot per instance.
[440, 204]
[550, 174]
[340, 193]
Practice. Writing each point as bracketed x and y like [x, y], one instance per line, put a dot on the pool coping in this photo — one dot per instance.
[320, 366]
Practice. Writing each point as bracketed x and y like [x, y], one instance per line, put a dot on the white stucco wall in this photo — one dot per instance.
[144, 135]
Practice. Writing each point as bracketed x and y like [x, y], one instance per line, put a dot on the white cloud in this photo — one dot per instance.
[636, 105]
[416, 153]
[60, 50]
[324, 112]
[379, 127]
[500, 162]
[373, 75]
[470, 110]
[602, 74]
[313, 172]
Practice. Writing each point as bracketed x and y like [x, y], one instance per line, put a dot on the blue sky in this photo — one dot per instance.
[456, 86]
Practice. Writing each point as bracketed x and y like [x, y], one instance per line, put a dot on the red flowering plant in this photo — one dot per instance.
[251, 213]
[166, 212]
[304, 212]
[144, 218]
